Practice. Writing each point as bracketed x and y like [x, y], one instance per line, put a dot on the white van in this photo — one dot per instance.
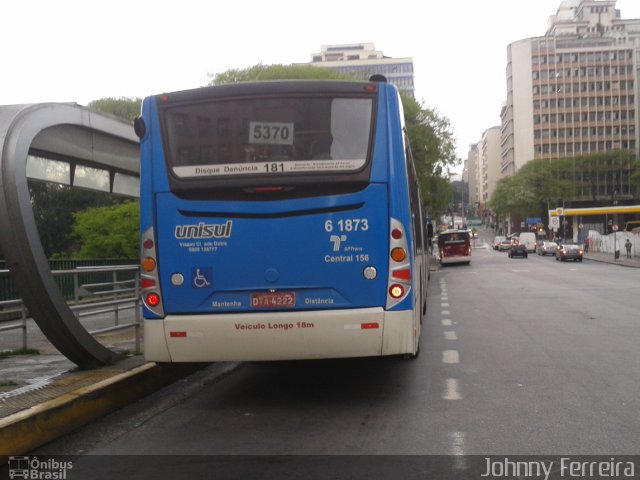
[529, 240]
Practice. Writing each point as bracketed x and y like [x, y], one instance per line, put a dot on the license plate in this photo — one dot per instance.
[273, 300]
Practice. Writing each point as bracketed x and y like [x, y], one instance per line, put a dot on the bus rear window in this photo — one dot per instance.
[267, 136]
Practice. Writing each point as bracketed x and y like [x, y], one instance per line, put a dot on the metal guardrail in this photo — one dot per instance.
[90, 299]
[12, 304]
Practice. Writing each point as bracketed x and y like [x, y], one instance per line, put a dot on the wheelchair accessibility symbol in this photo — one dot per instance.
[202, 277]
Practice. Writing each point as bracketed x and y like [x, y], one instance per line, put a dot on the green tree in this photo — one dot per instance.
[431, 135]
[125, 108]
[544, 183]
[635, 176]
[537, 185]
[276, 72]
[108, 232]
[53, 208]
[434, 152]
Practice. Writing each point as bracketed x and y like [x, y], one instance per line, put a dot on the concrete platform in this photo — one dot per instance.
[42, 411]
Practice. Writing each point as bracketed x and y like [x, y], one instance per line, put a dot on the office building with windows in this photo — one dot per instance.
[573, 91]
[363, 60]
[574, 94]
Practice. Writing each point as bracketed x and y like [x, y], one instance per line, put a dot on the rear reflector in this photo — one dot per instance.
[368, 326]
[404, 274]
[178, 334]
[362, 326]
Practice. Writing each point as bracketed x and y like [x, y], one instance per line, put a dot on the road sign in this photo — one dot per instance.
[614, 228]
[554, 223]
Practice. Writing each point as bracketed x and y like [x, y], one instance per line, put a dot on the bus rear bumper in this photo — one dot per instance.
[456, 259]
[279, 335]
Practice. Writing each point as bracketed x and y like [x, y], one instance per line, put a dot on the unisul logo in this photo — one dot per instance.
[36, 469]
[202, 230]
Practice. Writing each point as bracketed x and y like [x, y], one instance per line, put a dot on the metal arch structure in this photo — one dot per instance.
[78, 136]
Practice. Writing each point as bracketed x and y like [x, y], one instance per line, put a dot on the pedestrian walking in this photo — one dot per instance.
[627, 245]
[586, 245]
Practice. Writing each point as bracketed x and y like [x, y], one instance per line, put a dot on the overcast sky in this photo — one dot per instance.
[78, 51]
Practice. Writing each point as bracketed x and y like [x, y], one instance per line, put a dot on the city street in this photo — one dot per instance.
[519, 356]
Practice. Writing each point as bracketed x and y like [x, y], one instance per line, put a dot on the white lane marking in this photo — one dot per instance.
[450, 356]
[458, 450]
[446, 322]
[451, 389]
[444, 298]
[444, 305]
[445, 312]
[450, 335]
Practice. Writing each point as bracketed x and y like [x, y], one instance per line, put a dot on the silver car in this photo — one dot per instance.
[547, 248]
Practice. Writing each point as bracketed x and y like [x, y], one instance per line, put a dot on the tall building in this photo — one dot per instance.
[489, 156]
[363, 60]
[575, 90]
[472, 174]
[483, 163]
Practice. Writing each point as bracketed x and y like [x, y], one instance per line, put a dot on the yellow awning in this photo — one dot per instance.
[569, 212]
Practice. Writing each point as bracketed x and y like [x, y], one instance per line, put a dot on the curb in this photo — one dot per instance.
[620, 264]
[28, 429]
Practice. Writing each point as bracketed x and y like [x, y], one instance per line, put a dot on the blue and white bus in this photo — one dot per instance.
[280, 220]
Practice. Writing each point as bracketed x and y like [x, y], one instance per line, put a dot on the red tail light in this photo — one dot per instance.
[396, 291]
[150, 278]
[153, 299]
[399, 284]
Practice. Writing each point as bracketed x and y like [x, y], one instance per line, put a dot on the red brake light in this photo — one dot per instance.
[153, 299]
[148, 243]
[268, 189]
[396, 234]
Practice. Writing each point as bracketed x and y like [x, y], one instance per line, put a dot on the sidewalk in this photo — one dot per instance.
[605, 257]
[44, 395]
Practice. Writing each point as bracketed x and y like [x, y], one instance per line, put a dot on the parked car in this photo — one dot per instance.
[569, 251]
[547, 248]
[497, 240]
[518, 249]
